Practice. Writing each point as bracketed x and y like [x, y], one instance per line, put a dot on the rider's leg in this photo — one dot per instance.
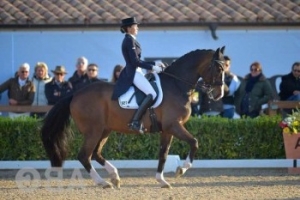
[143, 84]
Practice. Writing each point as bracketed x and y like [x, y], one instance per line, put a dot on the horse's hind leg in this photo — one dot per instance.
[181, 133]
[112, 170]
[84, 156]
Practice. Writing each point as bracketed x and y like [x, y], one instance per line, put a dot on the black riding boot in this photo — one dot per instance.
[135, 124]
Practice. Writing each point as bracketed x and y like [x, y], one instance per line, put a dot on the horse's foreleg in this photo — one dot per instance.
[186, 165]
[181, 133]
[165, 143]
[112, 170]
[84, 156]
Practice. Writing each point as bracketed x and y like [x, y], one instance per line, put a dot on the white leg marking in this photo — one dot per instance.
[160, 178]
[110, 168]
[96, 177]
[187, 164]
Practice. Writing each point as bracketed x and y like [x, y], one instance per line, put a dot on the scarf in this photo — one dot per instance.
[251, 82]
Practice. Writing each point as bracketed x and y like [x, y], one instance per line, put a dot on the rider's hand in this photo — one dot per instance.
[160, 64]
[157, 69]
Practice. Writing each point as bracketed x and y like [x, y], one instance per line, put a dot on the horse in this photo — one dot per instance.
[96, 115]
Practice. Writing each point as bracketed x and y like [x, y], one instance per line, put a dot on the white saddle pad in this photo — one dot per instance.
[128, 100]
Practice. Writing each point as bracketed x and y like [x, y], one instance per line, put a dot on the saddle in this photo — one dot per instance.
[134, 97]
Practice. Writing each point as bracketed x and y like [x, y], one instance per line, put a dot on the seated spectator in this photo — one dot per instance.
[40, 79]
[58, 87]
[80, 75]
[116, 73]
[231, 85]
[254, 91]
[290, 84]
[20, 89]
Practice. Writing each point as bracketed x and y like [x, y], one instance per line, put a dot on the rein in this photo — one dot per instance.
[180, 79]
[208, 88]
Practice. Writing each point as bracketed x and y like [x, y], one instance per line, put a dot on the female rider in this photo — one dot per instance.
[132, 73]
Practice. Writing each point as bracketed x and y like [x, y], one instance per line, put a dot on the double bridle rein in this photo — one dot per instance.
[205, 87]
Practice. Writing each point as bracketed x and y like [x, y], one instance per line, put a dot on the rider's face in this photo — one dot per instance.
[133, 29]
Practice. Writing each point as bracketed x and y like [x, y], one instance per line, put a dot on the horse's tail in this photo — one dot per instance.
[56, 131]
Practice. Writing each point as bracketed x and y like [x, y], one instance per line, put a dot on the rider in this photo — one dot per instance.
[132, 73]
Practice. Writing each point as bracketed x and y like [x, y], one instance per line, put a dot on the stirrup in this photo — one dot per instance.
[136, 126]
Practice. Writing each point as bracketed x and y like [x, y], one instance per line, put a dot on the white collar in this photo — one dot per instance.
[21, 82]
[134, 37]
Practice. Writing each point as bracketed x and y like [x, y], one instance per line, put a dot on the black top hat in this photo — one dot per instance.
[129, 21]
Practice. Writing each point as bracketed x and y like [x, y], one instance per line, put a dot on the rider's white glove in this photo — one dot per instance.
[157, 68]
[160, 64]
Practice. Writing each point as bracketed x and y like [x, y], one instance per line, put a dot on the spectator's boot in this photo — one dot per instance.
[136, 124]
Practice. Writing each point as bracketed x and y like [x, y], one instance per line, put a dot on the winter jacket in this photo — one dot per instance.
[259, 95]
[40, 96]
[23, 95]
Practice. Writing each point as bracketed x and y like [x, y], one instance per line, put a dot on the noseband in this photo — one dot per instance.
[209, 87]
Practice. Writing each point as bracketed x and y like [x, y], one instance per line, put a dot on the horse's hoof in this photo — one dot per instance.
[116, 182]
[179, 172]
[167, 186]
[107, 186]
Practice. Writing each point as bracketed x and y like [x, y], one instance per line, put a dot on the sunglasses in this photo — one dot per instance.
[24, 72]
[59, 74]
[92, 70]
[296, 70]
[254, 70]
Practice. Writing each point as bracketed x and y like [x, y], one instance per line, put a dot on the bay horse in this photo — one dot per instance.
[96, 115]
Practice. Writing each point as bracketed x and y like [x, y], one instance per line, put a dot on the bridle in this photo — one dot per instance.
[208, 88]
[205, 87]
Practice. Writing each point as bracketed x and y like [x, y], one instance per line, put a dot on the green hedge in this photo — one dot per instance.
[219, 138]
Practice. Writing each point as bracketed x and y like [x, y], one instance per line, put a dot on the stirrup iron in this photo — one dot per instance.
[137, 126]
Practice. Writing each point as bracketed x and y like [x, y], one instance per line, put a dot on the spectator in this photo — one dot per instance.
[80, 75]
[58, 87]
[40, 79]
[195, 104]
[92, 73]
[20, 90]
[231, 85]
[116, 73]
[254, 91]
[208, 106]
[290, 84]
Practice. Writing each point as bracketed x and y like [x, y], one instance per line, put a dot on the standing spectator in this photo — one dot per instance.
[290, 84]
[80, 75]
[254, 91]
[58, 87]
[116, 73]
[195, 103]
[208, 106]
[92, 73]
[20, 89]
[231, 85]
[40, 79]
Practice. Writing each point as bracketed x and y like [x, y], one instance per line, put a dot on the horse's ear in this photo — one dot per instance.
[217, 52]
[223, 49]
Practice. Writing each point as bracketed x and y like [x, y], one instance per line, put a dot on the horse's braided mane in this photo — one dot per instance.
[187, 56]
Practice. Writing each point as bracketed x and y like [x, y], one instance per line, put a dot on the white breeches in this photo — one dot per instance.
[143, 84]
